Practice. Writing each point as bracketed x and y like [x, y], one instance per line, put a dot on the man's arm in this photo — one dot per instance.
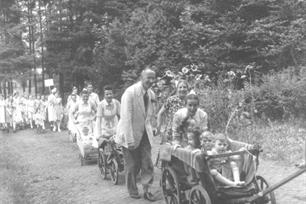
[126, 117]
[98, 120]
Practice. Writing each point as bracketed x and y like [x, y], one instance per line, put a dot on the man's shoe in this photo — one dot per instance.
[149, 196]
[135, 196]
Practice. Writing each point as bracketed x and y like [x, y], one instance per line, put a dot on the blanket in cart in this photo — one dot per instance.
[198, 161]
[195, 159]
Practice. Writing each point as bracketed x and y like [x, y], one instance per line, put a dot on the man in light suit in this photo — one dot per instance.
[133, 132]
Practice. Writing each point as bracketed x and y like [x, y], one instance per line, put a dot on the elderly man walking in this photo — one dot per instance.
[133, 132]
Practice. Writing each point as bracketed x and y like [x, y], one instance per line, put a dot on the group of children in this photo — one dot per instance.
[22, 111]
[213, 145]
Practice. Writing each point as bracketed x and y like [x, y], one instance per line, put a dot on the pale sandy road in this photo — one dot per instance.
[46, 169]
[294, 192]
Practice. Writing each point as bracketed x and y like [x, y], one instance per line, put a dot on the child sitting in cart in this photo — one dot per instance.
[215, 164]
[206, 139]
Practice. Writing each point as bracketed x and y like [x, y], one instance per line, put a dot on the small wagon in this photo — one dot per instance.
[177, 190]
[110, 159]
[87, 143]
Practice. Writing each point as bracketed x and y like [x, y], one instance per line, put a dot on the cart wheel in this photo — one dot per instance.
[82, 160]
[198, 195]
[261, 184]
[170, 186]
[114, 171]
[101, 164]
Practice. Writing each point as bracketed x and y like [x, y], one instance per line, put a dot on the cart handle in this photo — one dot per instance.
[208, 157]
[277, 185]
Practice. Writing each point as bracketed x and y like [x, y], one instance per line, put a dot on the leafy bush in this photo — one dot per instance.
[282, 95]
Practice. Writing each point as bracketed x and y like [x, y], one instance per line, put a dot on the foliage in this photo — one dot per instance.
[280, 141]
[221, 36]
[13, 58]
[111, 41]
[282, 95]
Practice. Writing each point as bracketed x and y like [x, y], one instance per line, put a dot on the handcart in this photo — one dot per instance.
[110, 159]
[177, 190]
[87, 143]
[206, 191]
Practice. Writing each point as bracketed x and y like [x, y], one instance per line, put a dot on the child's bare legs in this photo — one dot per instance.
[224, 180]
[235, 170]
[58, 122]
[54, 125]
[14, 126]
[43, 125]
[31, 122]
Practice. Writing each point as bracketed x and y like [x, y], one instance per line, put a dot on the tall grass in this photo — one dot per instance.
[281, 141]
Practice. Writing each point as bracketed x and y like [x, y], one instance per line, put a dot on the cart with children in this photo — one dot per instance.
[87, 143]
[191, 176]
[224, 171]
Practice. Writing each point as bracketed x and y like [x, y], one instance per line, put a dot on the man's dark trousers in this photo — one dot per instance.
[137, 160]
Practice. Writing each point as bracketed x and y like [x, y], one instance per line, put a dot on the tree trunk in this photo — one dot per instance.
[42, 47]
[30, 41]
[61, 75]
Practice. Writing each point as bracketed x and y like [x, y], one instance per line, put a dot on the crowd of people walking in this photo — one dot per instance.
[130, 124]
[23, 111]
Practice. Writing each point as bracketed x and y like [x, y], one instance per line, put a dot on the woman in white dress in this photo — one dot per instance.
[84, 111]
[36, 110]
[59, 109]
[9, 110]
[70, 107]
[51, 109]
[41, 112]
[17, 114]
[23, 106]
[2, 112]
[30, 110]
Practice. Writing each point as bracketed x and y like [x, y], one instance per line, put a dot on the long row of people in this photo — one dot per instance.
[21, 111]
[179, 109]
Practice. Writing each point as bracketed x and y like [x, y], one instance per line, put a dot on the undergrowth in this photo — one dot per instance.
[280, 141]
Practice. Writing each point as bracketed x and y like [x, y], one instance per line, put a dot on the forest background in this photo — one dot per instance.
[246, 58]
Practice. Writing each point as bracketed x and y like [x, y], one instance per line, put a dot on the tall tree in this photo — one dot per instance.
[14, 61]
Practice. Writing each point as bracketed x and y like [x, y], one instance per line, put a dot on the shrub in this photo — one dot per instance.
[281, 96]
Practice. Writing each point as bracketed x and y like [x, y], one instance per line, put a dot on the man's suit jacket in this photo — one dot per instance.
[134, 119]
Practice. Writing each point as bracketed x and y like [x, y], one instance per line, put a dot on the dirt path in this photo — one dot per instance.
[45, 169]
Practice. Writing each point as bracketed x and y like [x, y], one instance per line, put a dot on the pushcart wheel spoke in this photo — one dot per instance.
[170, 187]
[198, 195]
[262, 184]
[114, 171]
